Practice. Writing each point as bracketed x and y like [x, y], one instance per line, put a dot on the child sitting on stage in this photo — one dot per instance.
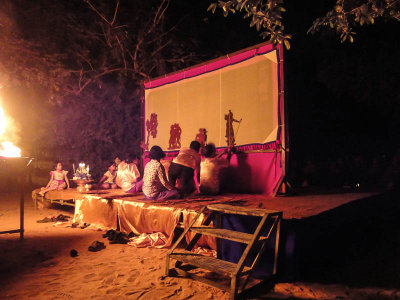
[155, 183]
[58, 179]
[108, 179]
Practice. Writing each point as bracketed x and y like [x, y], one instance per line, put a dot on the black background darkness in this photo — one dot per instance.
[342, 99]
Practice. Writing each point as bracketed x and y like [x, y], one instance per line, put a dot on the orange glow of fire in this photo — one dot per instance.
[7, 148]
[2, 122]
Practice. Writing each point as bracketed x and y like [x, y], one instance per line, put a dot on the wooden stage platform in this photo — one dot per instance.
[338, 237]
[114, 209]
[294, 207]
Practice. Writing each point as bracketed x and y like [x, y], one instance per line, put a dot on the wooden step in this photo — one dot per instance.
[208, 263]
[239, 210]
[226, 234]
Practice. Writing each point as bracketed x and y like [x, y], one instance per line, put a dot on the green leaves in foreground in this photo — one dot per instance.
[266, 16]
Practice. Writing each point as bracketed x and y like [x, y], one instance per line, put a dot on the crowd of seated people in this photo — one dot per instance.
[163, 179]
[197, 169]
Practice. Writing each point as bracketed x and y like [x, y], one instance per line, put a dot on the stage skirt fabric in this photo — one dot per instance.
[136, 216]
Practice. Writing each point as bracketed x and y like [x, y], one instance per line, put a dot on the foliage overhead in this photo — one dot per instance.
[266, 16]
[91, 40]
[89, 58]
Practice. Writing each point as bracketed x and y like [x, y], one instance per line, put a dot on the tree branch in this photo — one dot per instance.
[101, 15]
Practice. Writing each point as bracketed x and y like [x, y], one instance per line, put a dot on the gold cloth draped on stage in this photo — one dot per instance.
[134, 214]
[112, 209]
[101, 213]
[144, 218]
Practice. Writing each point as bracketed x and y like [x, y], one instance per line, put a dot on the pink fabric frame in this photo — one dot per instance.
[257, 172]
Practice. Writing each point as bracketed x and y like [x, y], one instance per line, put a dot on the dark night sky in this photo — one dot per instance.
[341, 98]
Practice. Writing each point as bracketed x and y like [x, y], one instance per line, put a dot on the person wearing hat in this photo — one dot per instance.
[155, 183]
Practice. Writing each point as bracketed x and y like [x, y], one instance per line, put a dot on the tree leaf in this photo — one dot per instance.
[287, 44]
[212, 7]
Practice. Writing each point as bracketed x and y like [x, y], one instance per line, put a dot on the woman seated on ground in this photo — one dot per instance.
[155, 183]
[58, 179]
[108, 179]
[210, 169]
[128, 176]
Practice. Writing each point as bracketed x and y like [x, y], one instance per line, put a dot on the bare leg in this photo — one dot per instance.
[47, 189]
[105, 186]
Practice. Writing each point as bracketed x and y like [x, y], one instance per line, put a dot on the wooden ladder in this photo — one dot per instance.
[239, 273]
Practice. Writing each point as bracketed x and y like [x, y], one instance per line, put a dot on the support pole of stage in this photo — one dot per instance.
[22, 205]
[283, 184]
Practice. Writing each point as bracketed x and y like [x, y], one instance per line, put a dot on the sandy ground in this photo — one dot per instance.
[40, 266]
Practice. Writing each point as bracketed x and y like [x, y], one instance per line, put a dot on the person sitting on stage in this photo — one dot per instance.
[155, 183]
[211, 166]
[108, 179]
[58, 179]
[183, 167]
[128, 175]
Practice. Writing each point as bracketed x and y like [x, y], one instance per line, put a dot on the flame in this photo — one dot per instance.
[7, 148]
[2, 122]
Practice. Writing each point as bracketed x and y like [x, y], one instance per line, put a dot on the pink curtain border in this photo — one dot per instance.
[273, 146]
[227, 60]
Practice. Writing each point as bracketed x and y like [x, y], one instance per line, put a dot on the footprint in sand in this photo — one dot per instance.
[64, 295]
[108, 271]
[89, 278]
[161, 293]
[170, 282]
[186, 294]
[136, 293]
[133, 275]
[34, 294]
[51, 292]
[112, 279]
[113, 291]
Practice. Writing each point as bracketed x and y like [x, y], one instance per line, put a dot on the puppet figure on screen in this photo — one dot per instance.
[175, 137]
[230, 135]
[151, 127]
[201, 137]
